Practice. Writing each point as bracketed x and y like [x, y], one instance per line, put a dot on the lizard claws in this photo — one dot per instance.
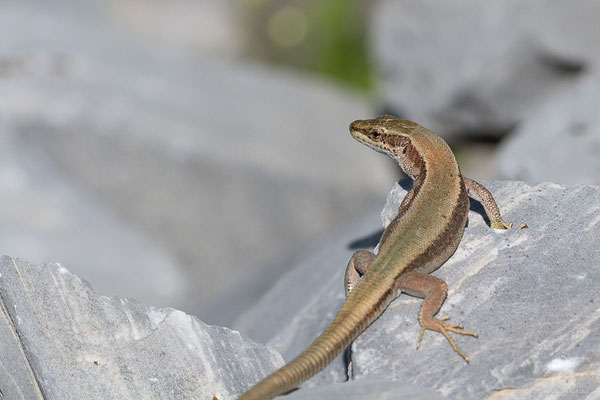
[500, 224]
[438, 325]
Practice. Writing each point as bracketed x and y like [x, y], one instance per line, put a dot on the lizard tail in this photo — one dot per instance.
[365, 304]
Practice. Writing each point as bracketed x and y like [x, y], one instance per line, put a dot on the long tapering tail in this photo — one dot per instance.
[365, 304]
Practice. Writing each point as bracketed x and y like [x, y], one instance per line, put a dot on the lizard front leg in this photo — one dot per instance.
[357, 266]
[433, 290]
[478, 192]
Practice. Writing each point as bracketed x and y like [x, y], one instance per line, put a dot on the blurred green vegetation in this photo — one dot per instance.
[324, 37]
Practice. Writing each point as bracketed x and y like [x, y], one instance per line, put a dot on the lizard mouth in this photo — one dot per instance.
[362, 138]
[361, 130]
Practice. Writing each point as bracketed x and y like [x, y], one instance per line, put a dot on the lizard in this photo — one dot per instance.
[426, 232]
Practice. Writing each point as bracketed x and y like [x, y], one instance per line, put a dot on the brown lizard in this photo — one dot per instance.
[425, 233]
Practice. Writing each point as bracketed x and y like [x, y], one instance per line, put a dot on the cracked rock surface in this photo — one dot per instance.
[60, 340]
[530, 294]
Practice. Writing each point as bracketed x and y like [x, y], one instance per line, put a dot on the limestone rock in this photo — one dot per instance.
[530, 295]
[60, 340]
[365, 389]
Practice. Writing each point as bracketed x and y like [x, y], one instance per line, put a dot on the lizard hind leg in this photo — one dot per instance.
[433, 290]
[357, 266]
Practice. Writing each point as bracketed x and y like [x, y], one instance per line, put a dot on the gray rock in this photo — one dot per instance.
[529, 294]
[206, 157]
[568, 35]
[560, 141]
[63, 341]
[471, 68]
[365, 389]
[17, 380]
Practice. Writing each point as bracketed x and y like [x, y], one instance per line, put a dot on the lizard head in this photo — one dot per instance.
[385, 134]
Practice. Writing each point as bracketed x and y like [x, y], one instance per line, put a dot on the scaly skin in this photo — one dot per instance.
[426, 232]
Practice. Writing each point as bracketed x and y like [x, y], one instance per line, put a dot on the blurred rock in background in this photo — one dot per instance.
[477, 74]
[204, 28]
[198, 180]
[560, 140]
[460, 68]
[200, 148]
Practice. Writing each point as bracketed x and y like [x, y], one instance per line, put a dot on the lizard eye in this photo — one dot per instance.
[375, 135]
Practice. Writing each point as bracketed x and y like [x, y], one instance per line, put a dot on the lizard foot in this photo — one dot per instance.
[500, 224]
[438, 325]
